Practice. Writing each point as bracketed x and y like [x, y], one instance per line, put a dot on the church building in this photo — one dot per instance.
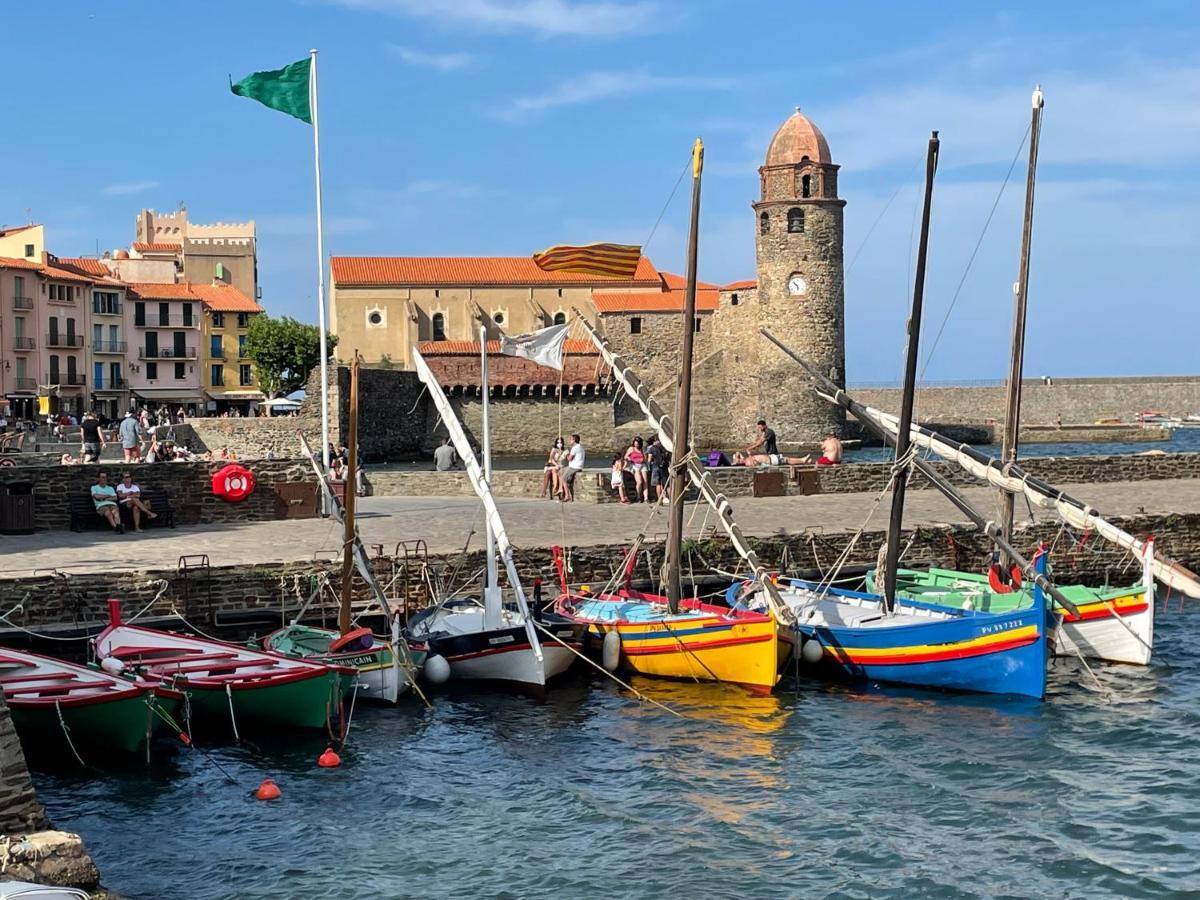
[384, 306]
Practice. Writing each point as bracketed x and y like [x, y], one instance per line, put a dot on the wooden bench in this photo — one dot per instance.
[84, 515]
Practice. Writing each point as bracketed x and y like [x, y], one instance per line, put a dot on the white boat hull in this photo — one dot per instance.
[1108, 639]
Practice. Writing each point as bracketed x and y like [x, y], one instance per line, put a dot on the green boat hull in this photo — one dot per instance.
[306, 703]
[123, 724]
[374, 666]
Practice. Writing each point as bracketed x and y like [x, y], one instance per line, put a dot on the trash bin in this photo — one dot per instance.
[16, 508]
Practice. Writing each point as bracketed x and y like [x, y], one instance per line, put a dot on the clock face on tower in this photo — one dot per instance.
[796, 285]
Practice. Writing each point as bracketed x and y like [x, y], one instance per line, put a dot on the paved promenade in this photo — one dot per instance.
[444, 523]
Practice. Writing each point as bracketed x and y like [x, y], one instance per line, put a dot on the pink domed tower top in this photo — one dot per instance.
[798, 139]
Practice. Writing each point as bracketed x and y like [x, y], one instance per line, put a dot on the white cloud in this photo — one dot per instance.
[588, 18]
[442, 62]
[604, 85]
[121, 188]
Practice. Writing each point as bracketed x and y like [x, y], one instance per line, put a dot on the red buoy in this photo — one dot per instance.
[329, 759]
[268, 790]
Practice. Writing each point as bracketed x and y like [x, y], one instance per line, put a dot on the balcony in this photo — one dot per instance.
[74, 379]
[221, 353]
[110, 384]
[108, 346]
[61, 301]
[64, 340]
[25, 384]
[167, 353]
[23, 343]
[167, 322]
[22, 302]
[106, 309]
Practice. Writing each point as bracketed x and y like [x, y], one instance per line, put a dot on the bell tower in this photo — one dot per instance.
[800, 295]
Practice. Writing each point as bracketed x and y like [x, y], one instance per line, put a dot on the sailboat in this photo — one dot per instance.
[672, 636]
[1115, 625]
[487, 639]
[886, 637]
[387, 666]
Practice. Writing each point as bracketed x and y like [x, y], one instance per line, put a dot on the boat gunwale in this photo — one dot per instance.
[124, 687]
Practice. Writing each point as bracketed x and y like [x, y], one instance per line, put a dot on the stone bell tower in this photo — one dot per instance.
[800, 294]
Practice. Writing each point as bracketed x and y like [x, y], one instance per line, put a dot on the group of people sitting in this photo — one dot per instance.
[111, 500]
[765, 451]
[563, 464]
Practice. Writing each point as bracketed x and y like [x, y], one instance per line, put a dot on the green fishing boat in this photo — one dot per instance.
[382, 673]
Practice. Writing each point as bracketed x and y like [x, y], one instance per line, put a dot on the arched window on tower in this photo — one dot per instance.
[764, 223]
[806, 186]
[560, 318]
[438, 323]
[796, 219]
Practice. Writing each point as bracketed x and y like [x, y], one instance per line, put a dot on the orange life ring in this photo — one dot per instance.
[233, 483]
[348, 638]
[996, 582]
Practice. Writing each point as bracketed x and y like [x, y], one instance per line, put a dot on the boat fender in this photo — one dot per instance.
[811, 651]
[233, 483]
[112, 665]
[968, 605]
[268, 790]
[437, 670]
[610, 655]
[353, 640]
[329, 759]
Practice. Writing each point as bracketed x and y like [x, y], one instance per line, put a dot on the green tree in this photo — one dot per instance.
[284, 351]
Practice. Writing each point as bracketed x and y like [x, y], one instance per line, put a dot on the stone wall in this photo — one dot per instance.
[19, 808]
[1077, 400]
[189, 486]
[250, 438]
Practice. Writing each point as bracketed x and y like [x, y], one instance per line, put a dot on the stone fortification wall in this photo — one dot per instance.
[227, 594]
[19, 808]
[1075, 399]
[250, 438]
[188, 484]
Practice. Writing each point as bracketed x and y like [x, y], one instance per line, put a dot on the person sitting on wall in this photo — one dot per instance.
[67, 460]
[129, 496]
[766, 444]
[444, 456]
[550, 484]
[572, 466]
[105, 498]
[831, 450]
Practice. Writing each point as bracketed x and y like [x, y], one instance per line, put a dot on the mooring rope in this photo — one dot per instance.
[232, 717]
[67, 733]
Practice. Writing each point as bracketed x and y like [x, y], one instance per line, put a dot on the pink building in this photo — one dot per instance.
[62, 299]
[20, 362]
[162, 324]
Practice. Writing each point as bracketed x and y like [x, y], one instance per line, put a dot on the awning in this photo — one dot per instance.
[183, 394]
[236, 395]
[21, 395]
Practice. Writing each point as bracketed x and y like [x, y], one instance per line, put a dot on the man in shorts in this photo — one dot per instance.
[660, 461]
[131, 434]
[766, 443]
[573, 466]
[105, 498]
[93, 438]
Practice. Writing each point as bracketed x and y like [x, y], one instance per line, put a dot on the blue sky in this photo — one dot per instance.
[480, 127]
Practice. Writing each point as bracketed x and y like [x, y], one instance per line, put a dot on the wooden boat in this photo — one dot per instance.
[248, 687]
[487, 638]
[382, 674]
[54, 702]
[1115, 625]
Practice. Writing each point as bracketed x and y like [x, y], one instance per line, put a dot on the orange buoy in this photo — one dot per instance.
[329, 759]
[268, 790]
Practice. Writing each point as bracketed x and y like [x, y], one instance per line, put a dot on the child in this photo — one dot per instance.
[618, 476]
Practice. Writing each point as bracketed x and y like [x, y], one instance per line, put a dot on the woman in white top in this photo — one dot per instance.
[129, 495]
[551, 484]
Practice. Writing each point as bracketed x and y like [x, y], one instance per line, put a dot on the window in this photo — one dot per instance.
[244, 375]
[215, 350]
[560, 318]
[243, 320]
[106, 302]
[635, 325]
[70, 332]
[733, 300]
[28, 250]
[218, 375]
[498, 318]
[438, 323]
[179, 373]
[187, 314]
[151, 371]
[375, 318]
[164, 314]
[54, 370]
[72, 370]
[796, 219]
[697, 328]
[806, 186]
[114, 338]
[139, 314]
[114, 375]
[218, 320]
[54, 292]
[242, 346]
[98, 337]
[18, 285]
[98, 376]
[53, 331]
[764, 223]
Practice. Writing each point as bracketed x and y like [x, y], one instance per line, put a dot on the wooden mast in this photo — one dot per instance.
[1012, 411]
[348, 504]
[896, 522]
[683, 397]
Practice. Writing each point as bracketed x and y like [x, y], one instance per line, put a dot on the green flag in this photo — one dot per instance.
[283, 89]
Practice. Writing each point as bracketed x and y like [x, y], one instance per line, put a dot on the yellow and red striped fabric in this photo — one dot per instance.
[615, 260]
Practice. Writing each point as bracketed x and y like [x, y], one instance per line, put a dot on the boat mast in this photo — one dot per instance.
[1012, 410]
[491, 590]
[348, 534]
[896, 522]
[683, 397]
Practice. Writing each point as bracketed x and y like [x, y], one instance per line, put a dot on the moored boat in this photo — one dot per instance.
[382, 674]
[57, 703]
[220, 680]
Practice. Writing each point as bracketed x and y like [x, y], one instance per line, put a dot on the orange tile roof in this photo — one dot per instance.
[8, 262]
[572, 346]
[363, 271]
[156, 247]
[60, 274]
[84, 266]
[743, 285]
[675, 282]
[219, 297]
[660, 301]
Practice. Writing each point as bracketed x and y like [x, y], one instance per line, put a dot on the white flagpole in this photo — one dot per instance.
[312, 102]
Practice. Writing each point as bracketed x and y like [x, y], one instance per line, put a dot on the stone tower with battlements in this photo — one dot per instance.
[800, 291]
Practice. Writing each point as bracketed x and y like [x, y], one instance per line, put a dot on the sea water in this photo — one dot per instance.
[817, 790]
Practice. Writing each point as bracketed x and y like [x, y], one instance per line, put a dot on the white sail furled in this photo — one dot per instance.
[1076, 515]
[462, 446]
[661, 423]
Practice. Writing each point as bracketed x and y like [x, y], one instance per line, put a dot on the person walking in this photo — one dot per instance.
[92, 438]
[130, 433]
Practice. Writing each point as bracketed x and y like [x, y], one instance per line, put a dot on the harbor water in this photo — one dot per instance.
[817, 790]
